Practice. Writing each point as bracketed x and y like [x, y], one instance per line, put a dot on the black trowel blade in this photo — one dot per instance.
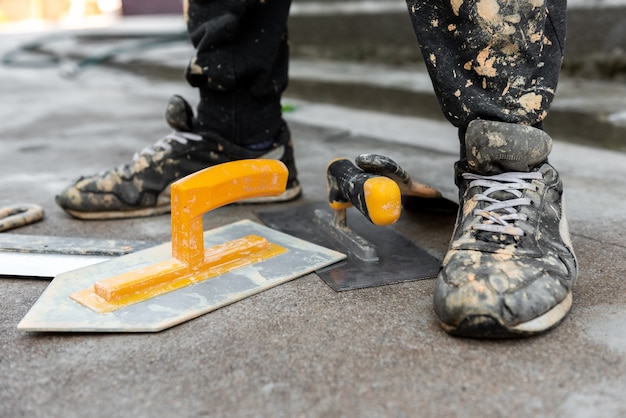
[400, 260]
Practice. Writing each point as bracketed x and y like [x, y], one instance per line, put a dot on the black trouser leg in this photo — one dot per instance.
[492, 59]
[240, 66]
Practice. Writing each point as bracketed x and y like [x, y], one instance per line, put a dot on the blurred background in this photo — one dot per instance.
[354, 30]
[356, 53]
[80, 10]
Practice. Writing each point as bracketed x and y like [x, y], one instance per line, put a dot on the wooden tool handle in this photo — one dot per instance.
[376, 197]
[212, 188]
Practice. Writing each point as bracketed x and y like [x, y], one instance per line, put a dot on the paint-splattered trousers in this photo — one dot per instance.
[488, 59]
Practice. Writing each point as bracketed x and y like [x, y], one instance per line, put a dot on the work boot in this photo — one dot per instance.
[142, 187]
[510, 267]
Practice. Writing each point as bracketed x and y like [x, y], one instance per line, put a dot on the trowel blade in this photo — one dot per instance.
[400, 259]
[44, 257]
[56, 311]
[43, 266]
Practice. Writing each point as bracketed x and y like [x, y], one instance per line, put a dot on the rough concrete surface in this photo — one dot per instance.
[300, 349]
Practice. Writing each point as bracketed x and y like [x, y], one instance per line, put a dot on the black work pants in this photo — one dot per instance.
[487, 59]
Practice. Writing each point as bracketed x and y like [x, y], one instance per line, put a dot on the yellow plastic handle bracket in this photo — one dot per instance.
[192, 197]
[212, 188]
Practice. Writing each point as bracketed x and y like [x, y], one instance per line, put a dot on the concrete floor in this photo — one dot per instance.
[300, 349]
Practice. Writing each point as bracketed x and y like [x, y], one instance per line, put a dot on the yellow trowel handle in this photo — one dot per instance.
[211, 188]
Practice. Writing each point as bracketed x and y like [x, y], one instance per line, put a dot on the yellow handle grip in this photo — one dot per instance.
[212, 188]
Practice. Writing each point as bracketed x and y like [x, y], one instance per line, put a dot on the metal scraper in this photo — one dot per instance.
[44, 257]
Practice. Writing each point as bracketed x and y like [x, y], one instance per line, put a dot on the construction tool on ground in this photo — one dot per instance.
[44, 257]
[371, 198]
[153, 289]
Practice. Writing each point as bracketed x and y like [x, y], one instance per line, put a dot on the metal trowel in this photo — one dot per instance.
[362, 202]
[43, 257]
[153, 289]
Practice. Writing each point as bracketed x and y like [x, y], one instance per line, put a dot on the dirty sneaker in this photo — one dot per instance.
[510, 267]
[142, 187]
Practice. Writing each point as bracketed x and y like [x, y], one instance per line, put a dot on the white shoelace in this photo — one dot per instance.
[501, 215]
[164, 144]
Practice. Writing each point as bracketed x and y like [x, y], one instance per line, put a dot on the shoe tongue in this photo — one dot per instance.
[179, 114]
[500, 147]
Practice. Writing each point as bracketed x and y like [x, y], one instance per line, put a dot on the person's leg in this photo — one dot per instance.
[492, 59]
[240, 66]
[240, 69]
[494, 66]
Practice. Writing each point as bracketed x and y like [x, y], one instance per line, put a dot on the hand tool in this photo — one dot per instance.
[44, 257]
[157, 288]
[376, 197]
[38, 256]
[377, 254]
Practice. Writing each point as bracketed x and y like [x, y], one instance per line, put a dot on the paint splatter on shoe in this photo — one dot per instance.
[510, 267]
[142, 187]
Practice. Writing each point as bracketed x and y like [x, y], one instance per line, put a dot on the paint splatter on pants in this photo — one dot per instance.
[488, 59]
[492, 59]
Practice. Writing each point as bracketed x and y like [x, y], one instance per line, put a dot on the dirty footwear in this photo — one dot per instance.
[142, 187]
[510, 267]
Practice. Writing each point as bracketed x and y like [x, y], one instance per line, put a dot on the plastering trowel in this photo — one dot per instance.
[371, 196]
[160, 287]
[43, 257]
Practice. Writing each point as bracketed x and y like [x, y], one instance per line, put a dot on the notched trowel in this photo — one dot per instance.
[371, 196]
[156, 288]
